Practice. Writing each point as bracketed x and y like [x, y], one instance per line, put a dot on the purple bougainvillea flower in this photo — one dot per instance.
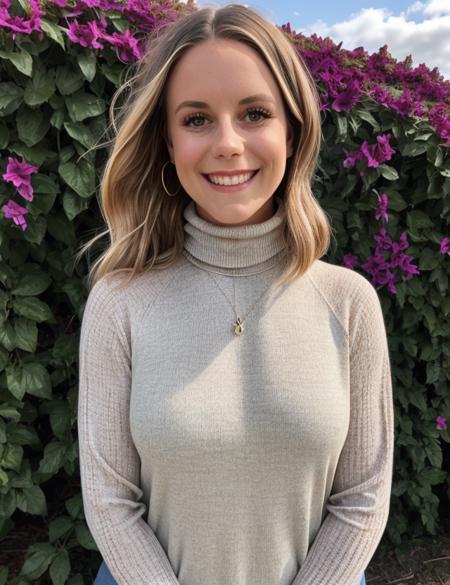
[441, 423]
[350, 260]
[444, 246]
[16, 212]
[351, 159]
[85, 35]
[18, 24]
[378, 153]
[18, 173]
[381, 212]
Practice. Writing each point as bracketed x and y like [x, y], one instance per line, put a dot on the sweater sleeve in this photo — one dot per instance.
[358, 506]
[109, 462]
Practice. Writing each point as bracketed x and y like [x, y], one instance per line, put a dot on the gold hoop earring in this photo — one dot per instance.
[163, 184]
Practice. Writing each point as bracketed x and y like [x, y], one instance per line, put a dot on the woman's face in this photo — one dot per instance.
[223, 135]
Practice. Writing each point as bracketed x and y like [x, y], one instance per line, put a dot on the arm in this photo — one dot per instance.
[109, 462]
[358, 507]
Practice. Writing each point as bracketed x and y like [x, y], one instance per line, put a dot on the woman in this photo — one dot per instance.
[235, 405]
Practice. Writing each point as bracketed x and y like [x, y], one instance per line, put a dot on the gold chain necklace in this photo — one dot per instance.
[238, 325]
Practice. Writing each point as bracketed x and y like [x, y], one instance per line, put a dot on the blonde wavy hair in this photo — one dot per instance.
[144, 224]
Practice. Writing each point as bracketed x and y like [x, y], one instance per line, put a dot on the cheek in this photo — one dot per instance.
[271, 144]
[188, 150]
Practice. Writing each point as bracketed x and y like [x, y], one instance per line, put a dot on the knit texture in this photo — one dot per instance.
[208, 458]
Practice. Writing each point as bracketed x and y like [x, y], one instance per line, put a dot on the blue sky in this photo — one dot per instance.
[420, 29]
[306, 13]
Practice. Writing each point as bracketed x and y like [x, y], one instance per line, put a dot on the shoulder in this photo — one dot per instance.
[116, 299]
[340, 284]
[348, 293]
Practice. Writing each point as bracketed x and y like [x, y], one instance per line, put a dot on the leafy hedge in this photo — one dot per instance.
[383, 177]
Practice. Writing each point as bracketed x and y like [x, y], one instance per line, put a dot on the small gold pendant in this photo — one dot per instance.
[238, 326]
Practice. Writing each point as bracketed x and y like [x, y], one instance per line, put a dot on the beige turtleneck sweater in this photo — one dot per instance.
[208, 458]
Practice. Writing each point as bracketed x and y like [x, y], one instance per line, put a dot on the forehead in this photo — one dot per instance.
[219, 70]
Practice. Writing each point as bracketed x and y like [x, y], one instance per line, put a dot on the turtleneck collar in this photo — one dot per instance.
[234, 250]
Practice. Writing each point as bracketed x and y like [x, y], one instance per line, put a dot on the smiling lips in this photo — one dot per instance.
[231, 178]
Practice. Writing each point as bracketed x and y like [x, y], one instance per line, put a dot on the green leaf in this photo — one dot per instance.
[433, 370]
[74, 506]
[54, 31]
[60, 418]
[428, 259]
[113, 72]
[417, 220]
[37, 228]
[418, 400]
[431, 476]
[59, 527]
[22, 435]
[396, 201]
[60, 568]
[88, 63]
[80, 177]
[4, 135]
[84, 537]
[54, 454]
[57, 119]
[8, 411]
[80, 132]
[31, 126]
[439, 159]
[410, 345]
[35, 502]
[412, 149]
[4, 480]
[84, 105]
[42, 554]
[388, 172]
[32, 308]
[342, 127]
[68, 80]
[73, 205]
[26, 334]
[367, 116]
[32, 283]
[434, 453]
[12, 457]
[424, 136]
[10, 93]
[39, 89]
[22, 61]
[31, 378]
[429, 317]
[7, 336]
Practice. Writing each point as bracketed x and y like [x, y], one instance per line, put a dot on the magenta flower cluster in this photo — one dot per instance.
[389, 264]
[370, 155]
[347, 76]
[147, 16]
[18, 173]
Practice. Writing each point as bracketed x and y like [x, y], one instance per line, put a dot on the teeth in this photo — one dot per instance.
[235, 180]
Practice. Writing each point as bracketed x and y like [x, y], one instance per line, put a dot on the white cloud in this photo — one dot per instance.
[426, 39]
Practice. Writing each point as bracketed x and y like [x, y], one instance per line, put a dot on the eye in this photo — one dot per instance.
[198, 116]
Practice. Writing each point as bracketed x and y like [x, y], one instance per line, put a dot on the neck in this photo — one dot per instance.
[234, 249]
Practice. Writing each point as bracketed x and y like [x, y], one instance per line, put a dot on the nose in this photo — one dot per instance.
[226, 140]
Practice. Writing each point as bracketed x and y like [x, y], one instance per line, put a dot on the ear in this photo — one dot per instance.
[289, 141]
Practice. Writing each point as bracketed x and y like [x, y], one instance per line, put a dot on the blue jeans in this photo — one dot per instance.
[104, 577]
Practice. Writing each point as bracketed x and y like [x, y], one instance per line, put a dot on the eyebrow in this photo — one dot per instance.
[260, 97]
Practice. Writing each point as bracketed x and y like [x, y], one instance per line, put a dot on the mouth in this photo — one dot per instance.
[232, 187]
